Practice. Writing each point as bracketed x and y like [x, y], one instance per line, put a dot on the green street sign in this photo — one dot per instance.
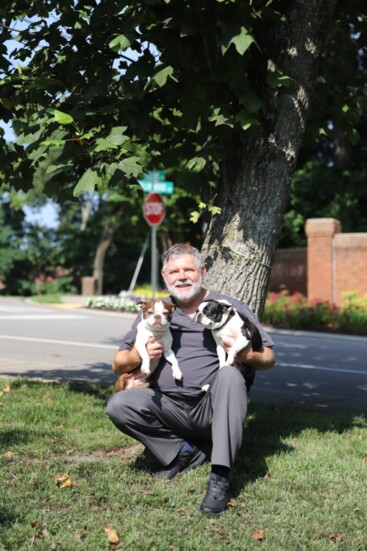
[157, 187]
[154, 182]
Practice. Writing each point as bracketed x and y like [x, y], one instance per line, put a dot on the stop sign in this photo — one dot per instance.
[153, 209]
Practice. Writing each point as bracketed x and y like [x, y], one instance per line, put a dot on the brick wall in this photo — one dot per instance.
[336, 262]
[333, 263]
[289, 271]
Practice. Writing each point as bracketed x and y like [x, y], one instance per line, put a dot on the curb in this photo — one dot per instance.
[315, 334]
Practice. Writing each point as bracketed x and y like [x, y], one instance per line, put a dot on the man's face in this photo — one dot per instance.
[183, 278]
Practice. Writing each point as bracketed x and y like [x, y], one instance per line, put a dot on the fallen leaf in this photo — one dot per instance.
[336, 537]
[59, 478]
[8, 454]
[230, 504]
[111, 535]
[259, 535]
[67, 484]
[6, 389]
[53, 440]
[58, 427]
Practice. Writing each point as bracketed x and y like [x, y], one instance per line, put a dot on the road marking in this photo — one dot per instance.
[50, 341]
[319, 368]
[42, 317]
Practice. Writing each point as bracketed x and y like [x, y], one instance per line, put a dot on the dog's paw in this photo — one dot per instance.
[178, 375]
[145, 368]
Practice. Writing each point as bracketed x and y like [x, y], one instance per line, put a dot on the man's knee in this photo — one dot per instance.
[115, 407]
[230, 375]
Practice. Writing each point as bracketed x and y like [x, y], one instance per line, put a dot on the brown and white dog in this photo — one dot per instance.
[157, 315]
[221, 318]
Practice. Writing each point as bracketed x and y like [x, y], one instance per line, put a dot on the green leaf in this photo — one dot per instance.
[117, 135]
[120, 42]
[220, 119]
[53, 143]
[246, 120]
[102, 144]
[241, 41]
[131, 166]
[60, 117]
[54, 168]
[87, 183]
[214, 210]
[161, 77]
[275, 79]
[353, 135]
[196, 164]
[194, 216]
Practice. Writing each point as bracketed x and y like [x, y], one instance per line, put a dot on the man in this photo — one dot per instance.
[172, 418]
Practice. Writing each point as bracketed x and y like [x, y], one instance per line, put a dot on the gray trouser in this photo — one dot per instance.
[162, 423]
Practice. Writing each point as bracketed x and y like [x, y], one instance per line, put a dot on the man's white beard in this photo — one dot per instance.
[188, 293]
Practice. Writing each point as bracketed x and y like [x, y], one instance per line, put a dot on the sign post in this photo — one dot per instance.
[154, 212]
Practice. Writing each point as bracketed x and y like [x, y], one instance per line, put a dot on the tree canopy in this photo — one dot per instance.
[224, 93]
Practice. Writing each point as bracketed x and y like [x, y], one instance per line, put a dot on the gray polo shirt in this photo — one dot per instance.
[195, 350]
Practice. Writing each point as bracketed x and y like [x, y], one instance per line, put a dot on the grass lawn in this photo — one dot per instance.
[70, 480]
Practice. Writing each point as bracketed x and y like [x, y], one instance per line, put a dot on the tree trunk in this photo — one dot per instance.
[99, 257]
[240, 244]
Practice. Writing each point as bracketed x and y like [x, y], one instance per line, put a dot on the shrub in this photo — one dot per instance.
[295, 311]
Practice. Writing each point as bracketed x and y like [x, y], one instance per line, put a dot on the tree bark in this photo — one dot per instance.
[99, 257]
[241, 242]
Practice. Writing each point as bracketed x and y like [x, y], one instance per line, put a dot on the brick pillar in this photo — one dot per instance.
[320, 257]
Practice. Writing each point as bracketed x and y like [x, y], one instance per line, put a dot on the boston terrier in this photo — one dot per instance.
[156, 318]
[221, 318]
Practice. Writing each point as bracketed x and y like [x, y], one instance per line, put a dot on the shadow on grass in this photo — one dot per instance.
[266, 430]
[6, 516]
[268, 426]
[16, 436]
[99, 391]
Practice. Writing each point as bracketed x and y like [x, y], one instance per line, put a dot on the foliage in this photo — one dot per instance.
[164, 77]
[295, 311]
[26, 252]
[339, 193]
[71, 480]
[44, 298]
[124, 302]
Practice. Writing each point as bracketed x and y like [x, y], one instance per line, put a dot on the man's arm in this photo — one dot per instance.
[125, 361]
[265, 359]
[259, 360]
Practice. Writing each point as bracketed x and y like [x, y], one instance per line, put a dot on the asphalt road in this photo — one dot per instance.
[320, 371]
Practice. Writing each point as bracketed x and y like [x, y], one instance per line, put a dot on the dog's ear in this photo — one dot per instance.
[140, 304]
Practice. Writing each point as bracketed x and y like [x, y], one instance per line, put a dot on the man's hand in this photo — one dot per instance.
[155, 349]
[259, 360]
[243, 355]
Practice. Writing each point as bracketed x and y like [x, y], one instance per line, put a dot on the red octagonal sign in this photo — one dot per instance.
[154, 210]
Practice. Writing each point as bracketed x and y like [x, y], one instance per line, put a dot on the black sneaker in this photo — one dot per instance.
[185, 461]
[217, 496]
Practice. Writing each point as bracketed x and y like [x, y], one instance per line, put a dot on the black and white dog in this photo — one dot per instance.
[221, 318]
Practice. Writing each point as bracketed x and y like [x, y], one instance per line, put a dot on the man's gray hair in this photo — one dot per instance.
[181, 249]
